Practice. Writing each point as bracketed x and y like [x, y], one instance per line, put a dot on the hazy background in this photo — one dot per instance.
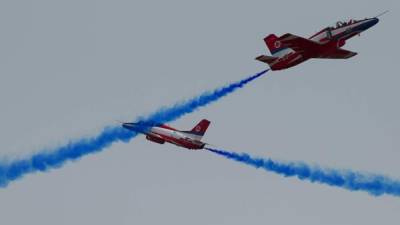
[68, 68]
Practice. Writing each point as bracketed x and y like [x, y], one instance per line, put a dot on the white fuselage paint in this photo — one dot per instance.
[322, 38]
[283, 52]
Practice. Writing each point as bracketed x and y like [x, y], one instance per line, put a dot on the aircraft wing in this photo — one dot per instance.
[299, 44]
[312, 48]
[339, 54]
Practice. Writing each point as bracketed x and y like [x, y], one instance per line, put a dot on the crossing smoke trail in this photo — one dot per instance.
[354, 181]
[55, 158]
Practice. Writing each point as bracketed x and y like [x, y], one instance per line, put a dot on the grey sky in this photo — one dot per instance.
[68, 68]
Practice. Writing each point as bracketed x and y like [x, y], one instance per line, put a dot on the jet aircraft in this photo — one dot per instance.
[290, 50]
[161, 133]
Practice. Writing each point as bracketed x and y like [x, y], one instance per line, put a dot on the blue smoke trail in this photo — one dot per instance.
[176, 111]
[375, 185]
[55, 158]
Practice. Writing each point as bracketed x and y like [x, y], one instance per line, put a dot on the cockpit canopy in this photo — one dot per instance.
[345, 23]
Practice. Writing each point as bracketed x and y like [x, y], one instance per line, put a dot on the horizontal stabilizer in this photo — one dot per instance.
[266, 59]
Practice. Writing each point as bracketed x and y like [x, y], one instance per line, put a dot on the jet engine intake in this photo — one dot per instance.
[155, 139]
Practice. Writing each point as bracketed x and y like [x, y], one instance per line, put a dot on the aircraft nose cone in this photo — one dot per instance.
[374, 21]
[127, 125]
[135, 127]
[370, 23]
[365, 25]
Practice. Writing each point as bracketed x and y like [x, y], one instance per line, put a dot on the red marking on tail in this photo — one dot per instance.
[273, 44]
[200, 128]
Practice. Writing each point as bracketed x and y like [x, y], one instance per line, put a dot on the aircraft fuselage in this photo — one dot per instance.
[163, 133]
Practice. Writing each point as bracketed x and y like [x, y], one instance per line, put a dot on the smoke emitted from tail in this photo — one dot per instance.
[54, 158]
[176, 111]
[375, 185]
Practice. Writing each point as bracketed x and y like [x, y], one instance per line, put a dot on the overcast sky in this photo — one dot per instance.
[69, 68]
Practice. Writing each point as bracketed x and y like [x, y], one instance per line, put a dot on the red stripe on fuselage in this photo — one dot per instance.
[181, 142]
[289, 60]
[167, 127]
[319, 33]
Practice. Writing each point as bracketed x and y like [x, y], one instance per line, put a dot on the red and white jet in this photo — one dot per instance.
[161, 133]
[290, 50]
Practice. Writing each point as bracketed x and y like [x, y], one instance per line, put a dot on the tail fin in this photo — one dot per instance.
[199, 130]
[273, 44]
